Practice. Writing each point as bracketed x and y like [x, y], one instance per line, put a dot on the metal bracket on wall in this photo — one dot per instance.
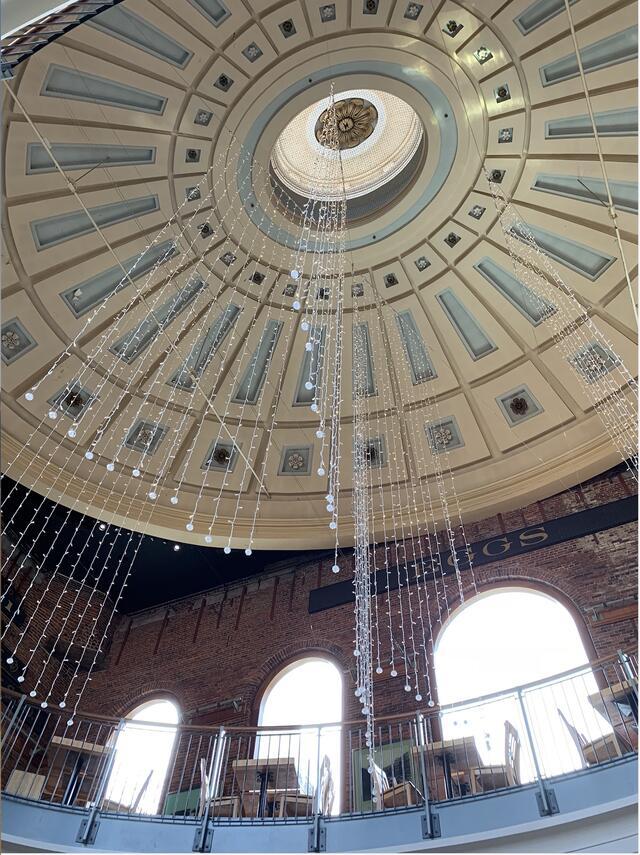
[552, 803]
[88, 831]
[317, 836]
[203, 838]
[433, 831]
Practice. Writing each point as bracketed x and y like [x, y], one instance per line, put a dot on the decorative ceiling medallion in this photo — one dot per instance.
[221, 456]
[518, 405]
[15, 341]
[444, 435]
[593, 361]
[145, 436]
[296, 461]
[73, 399]
[356, 119]
[375, 452]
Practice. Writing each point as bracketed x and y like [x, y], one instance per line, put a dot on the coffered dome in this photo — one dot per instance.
[176, 121]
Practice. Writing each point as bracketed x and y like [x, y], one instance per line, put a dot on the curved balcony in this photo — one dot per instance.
[562, 776]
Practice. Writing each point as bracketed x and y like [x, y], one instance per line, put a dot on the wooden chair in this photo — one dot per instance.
[217, 805]
[386, 795]
[595, 751]
[25, 784]
[292, 803]
[295, 803]
[483, 779]
[403, 794]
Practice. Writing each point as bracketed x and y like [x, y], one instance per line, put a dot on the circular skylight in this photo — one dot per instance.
[379, 135]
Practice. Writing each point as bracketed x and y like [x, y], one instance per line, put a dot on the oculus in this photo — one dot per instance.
[381, 145]
[356, 119]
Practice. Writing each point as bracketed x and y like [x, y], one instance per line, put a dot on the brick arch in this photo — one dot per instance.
[504, 583]
[302, 649]
[145, 694]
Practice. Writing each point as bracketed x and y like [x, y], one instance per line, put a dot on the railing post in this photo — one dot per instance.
[317, 841]
[89, 826]
[203, 838]
[547, 803]
[429, 822]
[216, 762]
[627, 670]
[14, 717]
[632, 679]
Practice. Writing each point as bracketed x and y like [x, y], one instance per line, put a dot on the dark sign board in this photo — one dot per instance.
[519, 542]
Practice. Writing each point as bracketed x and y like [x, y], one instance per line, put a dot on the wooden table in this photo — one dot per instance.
[259, 776]
[607, 702]
[94, 748]
[81, 752]
[618, 693]
[461, 752]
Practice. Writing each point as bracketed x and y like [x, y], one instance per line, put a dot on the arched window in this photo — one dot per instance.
[306, 692]
[141, 760]
[505, 638]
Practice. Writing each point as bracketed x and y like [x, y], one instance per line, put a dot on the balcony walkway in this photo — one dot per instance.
[559, 774]
[596, 813]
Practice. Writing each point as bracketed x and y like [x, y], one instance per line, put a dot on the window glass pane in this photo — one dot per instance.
[142, 756]
[308, 692]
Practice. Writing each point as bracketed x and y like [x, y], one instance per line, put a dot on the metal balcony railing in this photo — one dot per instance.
[23, 43]
[524, 736]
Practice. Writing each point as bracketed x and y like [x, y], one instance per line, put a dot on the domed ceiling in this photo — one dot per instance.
[149, 99]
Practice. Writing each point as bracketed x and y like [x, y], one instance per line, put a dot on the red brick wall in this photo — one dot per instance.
[53, 610]
[226, 645]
